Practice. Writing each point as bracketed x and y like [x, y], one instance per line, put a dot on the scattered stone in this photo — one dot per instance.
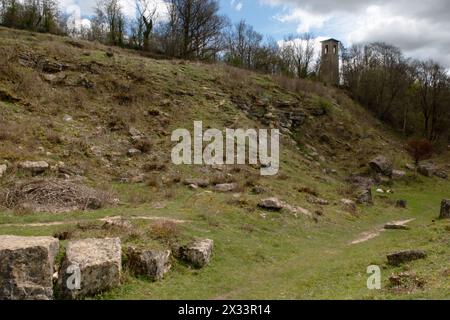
[258, 190]
[137, 179]
[135, 132]
[225, 187]
[197, 253]
[441, 174]
[193, 186]
[3, 168]
[381, 165]
[202, 183]
[133, 152]
[98, 262]
[35, 167]
[26, 267]
[348, 204]
[410, 167]
[401, 204]
[150, 263]
[380, 190]
[67, 118]
[400, 257]
[271, 204]
[445, 209]
[364, 196]
[395, 226]
[426, 170]
[316, 200]
[117, 222]
[398, 174]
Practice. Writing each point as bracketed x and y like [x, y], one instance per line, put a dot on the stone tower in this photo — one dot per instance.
[329, 64]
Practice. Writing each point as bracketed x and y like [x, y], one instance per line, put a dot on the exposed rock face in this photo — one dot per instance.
[133, 152]
[35, 167]
[3, 168]
[364, 196]
[381, 165]
[426, 169]
[225, 187]
[401, 203]
[26, 267]
[198, 253]
[271, 204]
[398, 258]
[96, 261]
[150, 263]
[445, 209]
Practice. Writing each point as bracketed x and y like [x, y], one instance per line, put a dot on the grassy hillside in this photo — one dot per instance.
[76, 105]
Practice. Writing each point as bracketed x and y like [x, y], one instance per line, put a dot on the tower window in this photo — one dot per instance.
[326, 49]
[334, 49]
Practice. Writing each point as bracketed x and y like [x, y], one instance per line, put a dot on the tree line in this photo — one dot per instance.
[412, 96]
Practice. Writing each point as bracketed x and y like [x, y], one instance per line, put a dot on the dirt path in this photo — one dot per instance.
[368, 235]
[58, 223]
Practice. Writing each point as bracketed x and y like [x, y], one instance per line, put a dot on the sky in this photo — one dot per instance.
[421, 28]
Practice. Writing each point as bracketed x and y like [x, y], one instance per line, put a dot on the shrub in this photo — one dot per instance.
[419, 149]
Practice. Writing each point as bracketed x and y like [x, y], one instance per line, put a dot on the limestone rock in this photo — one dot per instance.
[202, 183]
[197, 253]
[317, 200]
[150, 263]
[26, 267]
[117, 222]
[381, 165]
[441, 174]
[401, 204]
[398, 174]
[348, 204]
[426, 169]
[271, 204]
[395, 226]
[98, 262]
[225, 187]
[3, 168]
[445, 209]
[35, 167]
[364, 196]
[400, 257]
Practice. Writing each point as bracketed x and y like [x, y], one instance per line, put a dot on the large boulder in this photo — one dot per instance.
[400, 257]
[426, 169]
[197, 253]
[97, 263]
[382, 165]
[150, 263]
[273, 204]
[26, 267]
[34, 167]
[445, 209]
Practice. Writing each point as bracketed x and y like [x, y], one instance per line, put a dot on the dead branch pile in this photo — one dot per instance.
[54, 195]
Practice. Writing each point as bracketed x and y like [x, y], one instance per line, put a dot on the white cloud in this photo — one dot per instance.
[236, 5]
[420, 28]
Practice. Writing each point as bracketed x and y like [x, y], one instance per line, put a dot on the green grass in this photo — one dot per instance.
[283, 257]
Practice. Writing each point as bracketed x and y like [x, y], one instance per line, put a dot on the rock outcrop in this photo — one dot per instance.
[26, 267]
[382, 165]
[273, 204]
[34, 167]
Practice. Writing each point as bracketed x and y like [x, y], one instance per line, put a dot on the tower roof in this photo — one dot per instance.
[331, 39]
